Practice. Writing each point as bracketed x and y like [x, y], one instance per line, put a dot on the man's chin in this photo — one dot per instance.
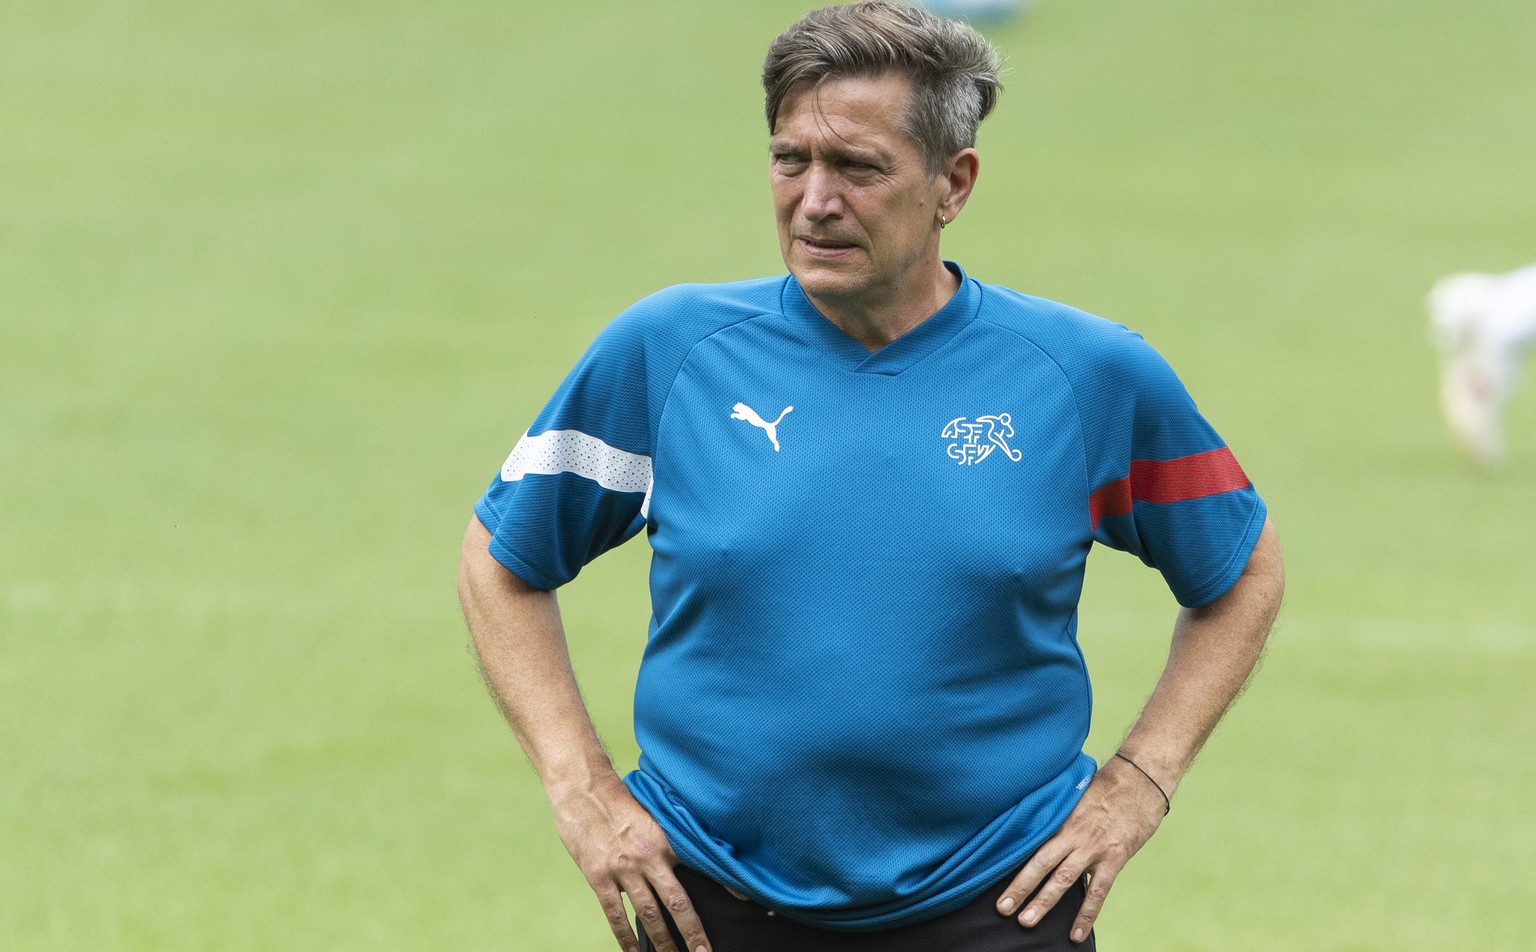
[826, 280]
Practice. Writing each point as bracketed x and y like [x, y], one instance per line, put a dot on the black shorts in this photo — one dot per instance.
[735, 925]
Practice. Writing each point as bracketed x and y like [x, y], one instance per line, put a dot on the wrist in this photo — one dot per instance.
[1163, 791]
[582, 776]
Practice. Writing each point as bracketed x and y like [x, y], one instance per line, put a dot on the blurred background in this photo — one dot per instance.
[281, 283]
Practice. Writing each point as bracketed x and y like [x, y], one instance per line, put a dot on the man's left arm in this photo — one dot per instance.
[1215, 649]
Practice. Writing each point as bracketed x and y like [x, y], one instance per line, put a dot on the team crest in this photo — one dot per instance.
[975, 440]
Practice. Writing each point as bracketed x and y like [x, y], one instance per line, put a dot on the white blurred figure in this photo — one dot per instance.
[1482, 324]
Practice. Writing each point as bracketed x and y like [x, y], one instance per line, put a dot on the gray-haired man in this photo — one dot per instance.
[862, 706]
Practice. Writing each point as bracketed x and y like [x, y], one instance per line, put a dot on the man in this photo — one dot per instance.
[1482, 325]
[870, 488]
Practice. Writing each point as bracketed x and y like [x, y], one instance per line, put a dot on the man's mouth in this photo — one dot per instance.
[816, 244]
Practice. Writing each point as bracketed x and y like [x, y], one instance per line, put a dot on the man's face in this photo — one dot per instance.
[857, 211]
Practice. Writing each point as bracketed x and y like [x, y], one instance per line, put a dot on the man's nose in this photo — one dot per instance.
[823, 193]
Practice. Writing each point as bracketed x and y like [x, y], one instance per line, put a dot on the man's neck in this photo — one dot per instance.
[877, 322]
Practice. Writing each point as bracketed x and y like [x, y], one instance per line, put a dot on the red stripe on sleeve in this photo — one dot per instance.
[1175, 480]
[1110, 499]
[1188, 477]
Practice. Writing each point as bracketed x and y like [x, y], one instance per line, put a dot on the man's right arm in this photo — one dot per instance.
[520, 642]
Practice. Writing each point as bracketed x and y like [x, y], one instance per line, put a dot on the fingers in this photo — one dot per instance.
[1093, 903]
[680, 908]
[612, 900]
[1038, 901]
[1106, 828]
[656, 898]
[1041, 883]
[648, 915]
[623, 852]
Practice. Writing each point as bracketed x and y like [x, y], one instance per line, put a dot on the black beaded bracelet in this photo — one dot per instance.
[1167, 804]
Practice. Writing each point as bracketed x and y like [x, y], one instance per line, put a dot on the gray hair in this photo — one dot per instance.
[952, 68]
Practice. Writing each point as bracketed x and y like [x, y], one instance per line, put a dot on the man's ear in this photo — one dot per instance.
[959, 177]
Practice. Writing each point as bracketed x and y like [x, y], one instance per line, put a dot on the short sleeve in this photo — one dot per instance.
[578, 482]
[1165, 486]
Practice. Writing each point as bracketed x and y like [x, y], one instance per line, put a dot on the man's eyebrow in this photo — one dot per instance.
[841, 152]
[860, 155]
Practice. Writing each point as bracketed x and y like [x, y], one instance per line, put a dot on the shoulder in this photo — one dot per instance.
[658, 331]
[695, 311]
[1088, 349]
[642, 350]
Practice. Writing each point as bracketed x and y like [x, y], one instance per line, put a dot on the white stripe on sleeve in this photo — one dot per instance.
[571, 451]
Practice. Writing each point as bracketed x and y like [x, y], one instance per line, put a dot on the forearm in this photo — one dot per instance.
[616, 844]
[520, 642]
[1215, 650]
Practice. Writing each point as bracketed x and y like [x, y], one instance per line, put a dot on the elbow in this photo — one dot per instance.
[1261, 587]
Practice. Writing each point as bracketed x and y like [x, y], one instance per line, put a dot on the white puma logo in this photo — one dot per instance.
[744, 412]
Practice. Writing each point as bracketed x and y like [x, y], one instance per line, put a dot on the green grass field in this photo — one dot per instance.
[281, 283]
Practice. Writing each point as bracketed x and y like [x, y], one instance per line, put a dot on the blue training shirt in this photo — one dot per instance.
[862, 699]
